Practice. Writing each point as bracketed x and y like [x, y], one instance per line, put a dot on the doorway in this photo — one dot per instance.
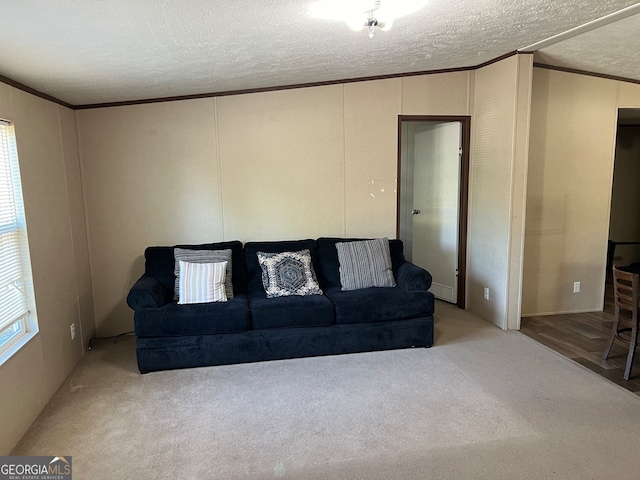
[624, 229]
[432, 201]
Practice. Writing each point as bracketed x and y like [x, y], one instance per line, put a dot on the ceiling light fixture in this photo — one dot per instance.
[359, 14]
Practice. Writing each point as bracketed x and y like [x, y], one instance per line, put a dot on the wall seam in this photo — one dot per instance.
[468, 93]
[73, 244]
[216, 129]
[86, 220]
[344, 162]
[398, 219]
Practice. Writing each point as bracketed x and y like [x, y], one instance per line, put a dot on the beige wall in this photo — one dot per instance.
[447, 94]
[371, 150]
[288, 164]
[151, 177]
[498, 188]
[573, 128]
[282, 163]
[75, 192]
[46, 141]
[628, 95]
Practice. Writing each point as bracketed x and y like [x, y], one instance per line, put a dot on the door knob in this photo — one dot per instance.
[415, 212]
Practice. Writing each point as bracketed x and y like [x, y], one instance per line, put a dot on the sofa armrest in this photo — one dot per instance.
[147, 292]
[411, 277]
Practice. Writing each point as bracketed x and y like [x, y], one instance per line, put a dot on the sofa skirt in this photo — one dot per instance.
[166, 353]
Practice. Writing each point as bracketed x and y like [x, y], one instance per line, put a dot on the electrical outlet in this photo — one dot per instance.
[486, 293]
[576, 287]
[73, 331]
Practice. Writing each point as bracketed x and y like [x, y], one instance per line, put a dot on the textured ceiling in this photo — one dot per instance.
[95, 51]
[612, 49]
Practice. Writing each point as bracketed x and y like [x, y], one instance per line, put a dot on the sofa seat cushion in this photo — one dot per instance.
[197, 319]
[379, 304]
[290, 311]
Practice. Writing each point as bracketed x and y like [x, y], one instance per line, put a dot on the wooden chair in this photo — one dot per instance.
[626, 291]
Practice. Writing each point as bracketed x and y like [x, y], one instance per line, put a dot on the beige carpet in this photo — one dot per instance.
[481, 404]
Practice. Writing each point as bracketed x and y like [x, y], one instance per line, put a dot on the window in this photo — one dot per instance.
[17, 307]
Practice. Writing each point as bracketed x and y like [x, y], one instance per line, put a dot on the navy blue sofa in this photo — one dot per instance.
[251, 327]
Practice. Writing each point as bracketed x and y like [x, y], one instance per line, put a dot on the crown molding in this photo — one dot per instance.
[584, 72]
[25, 88]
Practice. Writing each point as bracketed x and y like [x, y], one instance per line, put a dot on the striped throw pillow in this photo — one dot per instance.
[203, 256]
[202, 282]
[365, 264]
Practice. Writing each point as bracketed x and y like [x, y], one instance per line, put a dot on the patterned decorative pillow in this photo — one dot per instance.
[203, 256]
[365, 264]
[288, 273]
[202, 282]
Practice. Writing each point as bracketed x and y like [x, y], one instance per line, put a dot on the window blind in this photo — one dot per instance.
[13, 299]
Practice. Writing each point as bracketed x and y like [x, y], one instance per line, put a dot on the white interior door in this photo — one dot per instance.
[436, 205]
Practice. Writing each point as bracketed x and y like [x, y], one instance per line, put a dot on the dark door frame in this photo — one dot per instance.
[464, 190]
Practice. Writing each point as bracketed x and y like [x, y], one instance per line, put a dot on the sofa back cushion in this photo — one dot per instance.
[160, 263]
[328, 266]
[254, 270]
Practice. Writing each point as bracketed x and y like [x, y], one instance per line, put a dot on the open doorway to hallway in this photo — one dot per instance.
[624, 222]
[583, 337]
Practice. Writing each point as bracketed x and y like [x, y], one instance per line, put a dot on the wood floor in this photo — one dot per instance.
[582, 337]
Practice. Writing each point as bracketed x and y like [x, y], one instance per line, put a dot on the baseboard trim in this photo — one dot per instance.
[563, 312]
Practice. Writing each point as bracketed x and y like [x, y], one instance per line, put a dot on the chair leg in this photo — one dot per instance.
[632, 351]
[607, 350]
[614, 332]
